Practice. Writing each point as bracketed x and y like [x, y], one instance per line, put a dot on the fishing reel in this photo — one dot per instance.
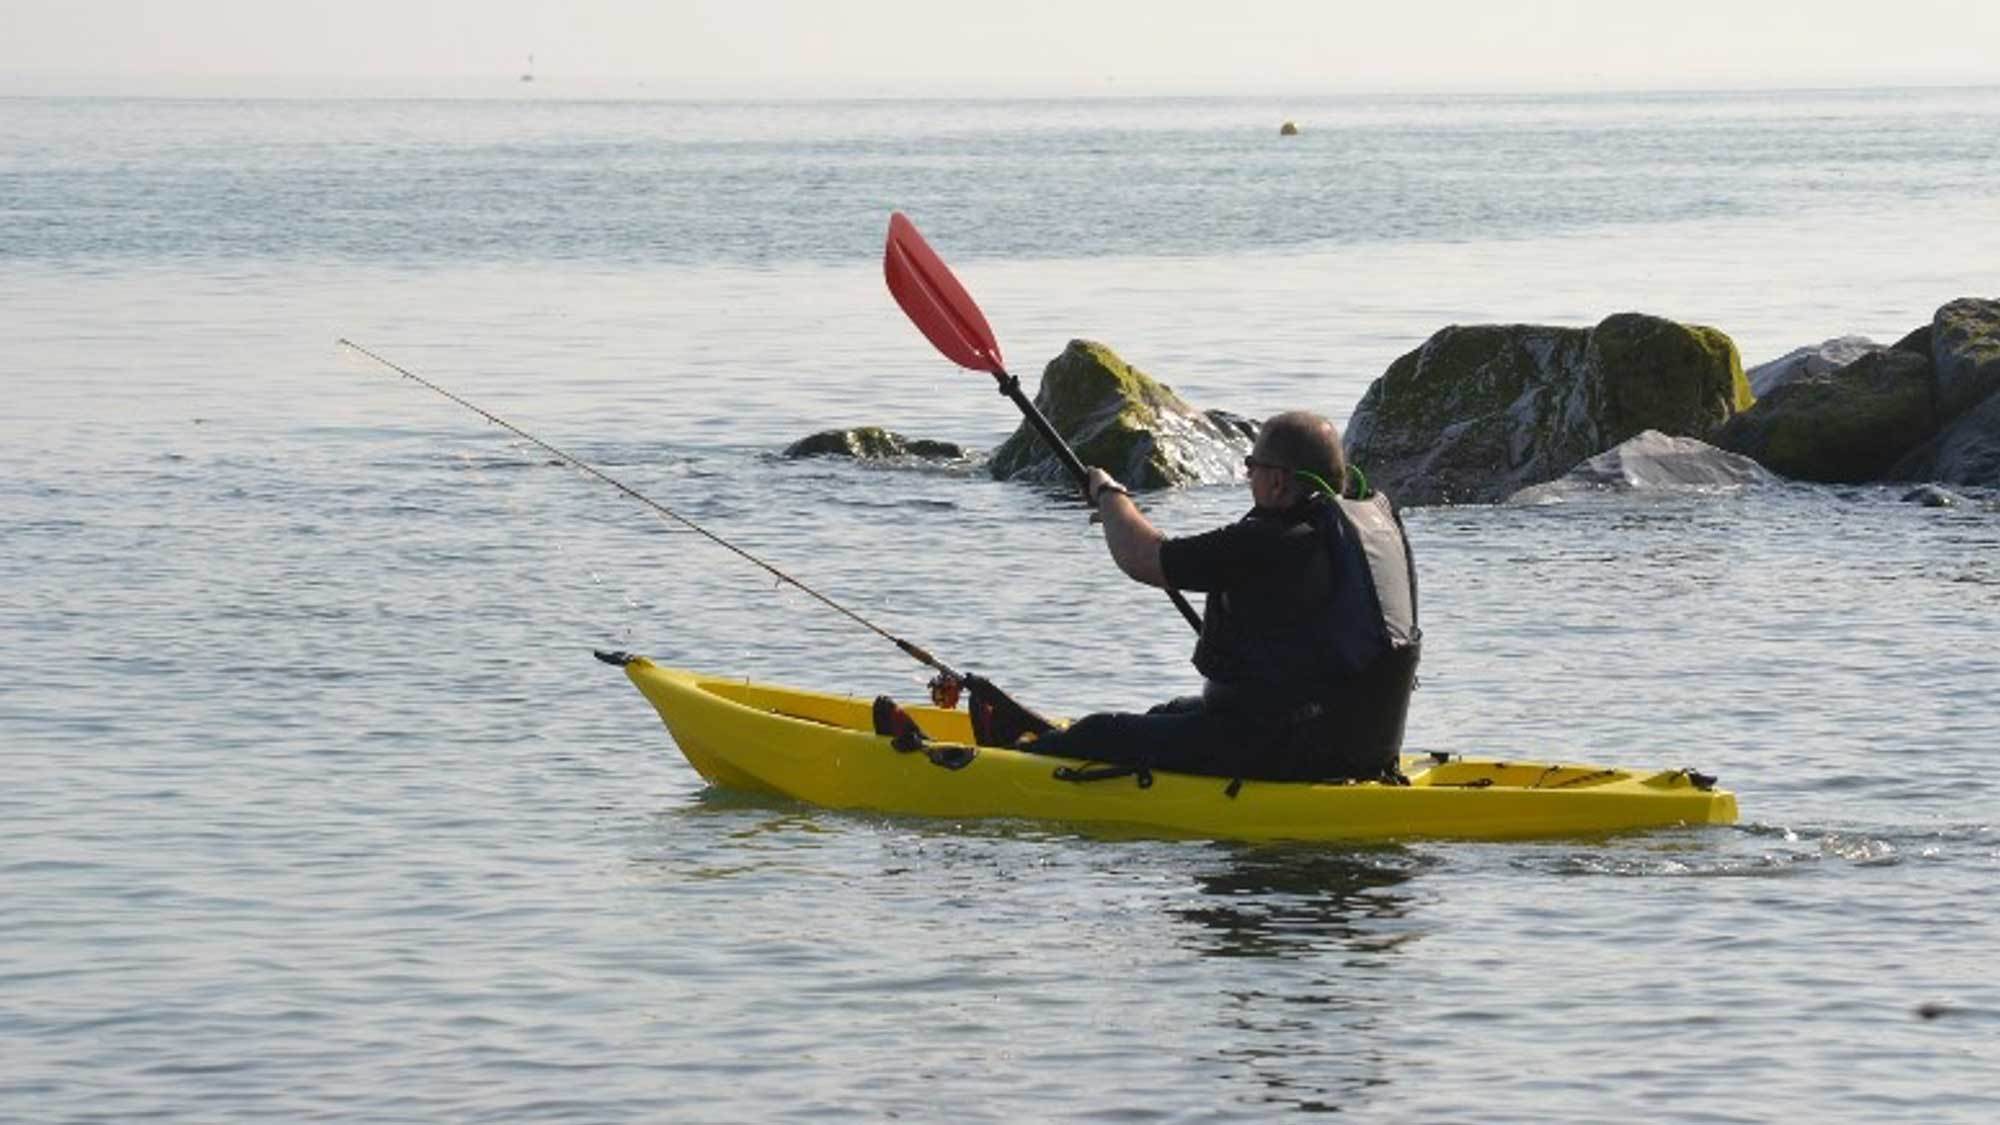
[945, 690]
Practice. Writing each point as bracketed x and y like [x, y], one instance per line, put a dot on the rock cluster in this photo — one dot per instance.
[1111, 413]
[1483, 413]
[1925, 409]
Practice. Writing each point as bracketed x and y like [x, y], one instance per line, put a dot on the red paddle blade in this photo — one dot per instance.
[934, 300]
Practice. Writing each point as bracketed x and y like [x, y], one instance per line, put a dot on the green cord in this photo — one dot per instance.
[1316, 481]
[1319, 482]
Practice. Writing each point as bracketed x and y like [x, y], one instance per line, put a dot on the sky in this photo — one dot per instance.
[1108, 46]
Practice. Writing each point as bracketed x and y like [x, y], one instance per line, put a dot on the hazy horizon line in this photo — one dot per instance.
[636, 87]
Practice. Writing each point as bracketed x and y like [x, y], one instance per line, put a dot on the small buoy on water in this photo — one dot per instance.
[1288, 129]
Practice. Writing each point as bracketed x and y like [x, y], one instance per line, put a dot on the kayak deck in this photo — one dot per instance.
[822, 749]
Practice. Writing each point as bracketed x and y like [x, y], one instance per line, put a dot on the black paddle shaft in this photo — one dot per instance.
[1011, 387]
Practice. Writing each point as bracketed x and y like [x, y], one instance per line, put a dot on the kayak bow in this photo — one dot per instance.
[822, 749]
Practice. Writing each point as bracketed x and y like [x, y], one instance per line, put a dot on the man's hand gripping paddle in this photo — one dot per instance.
[947, 316]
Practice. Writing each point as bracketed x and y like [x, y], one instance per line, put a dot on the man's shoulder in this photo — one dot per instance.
[1254, 527]
[1257, 541]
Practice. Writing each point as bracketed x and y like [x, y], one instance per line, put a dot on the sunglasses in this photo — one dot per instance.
[1259, 463]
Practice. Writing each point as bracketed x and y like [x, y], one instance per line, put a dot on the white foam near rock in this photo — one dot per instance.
[1651, 461]
[1818, 359]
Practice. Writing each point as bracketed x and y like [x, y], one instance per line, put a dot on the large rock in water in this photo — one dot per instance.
[1117, 417]
[1847, 427]
[1478, 413]
[1963, 340]
[1651, 462]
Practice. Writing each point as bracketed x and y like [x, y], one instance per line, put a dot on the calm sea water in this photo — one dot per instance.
[315, 805]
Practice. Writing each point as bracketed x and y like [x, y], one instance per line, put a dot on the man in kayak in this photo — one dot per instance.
[1309, 642]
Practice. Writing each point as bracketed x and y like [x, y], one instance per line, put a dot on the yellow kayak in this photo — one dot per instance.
[822, 749]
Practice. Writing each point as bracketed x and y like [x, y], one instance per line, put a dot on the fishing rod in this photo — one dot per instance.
[915, 651]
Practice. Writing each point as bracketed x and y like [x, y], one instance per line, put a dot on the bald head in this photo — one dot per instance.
[1303, 441]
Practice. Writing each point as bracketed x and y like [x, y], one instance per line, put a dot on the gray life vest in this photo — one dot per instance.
[1342, 641]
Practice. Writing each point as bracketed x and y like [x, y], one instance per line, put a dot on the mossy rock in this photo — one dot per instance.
[1683, 379]
[1480, 412]
[1848, 427]
[1965, 351]
[872, 443]
[1121, 419]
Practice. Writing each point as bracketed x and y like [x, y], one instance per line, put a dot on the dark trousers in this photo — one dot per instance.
[1183, 735]
[1189, 735]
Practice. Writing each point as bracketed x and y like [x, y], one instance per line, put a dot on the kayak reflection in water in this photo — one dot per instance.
[1309, 642]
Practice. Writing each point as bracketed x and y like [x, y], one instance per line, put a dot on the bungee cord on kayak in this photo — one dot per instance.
[948, 677]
